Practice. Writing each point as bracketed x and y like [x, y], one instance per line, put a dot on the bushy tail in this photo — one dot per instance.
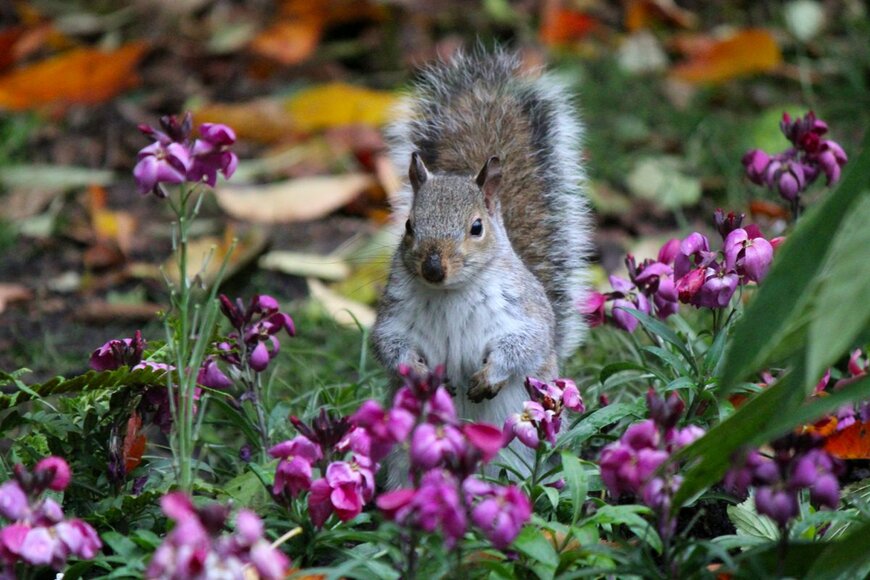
[481, 104]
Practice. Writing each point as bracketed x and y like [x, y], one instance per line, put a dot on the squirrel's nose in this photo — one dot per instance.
[432, 269]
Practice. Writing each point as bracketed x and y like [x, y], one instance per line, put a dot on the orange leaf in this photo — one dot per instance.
[746, 52]
[289, 42]
[79, 76]
[134, 443]
[641, 14]
[853, 442]
[561, 25]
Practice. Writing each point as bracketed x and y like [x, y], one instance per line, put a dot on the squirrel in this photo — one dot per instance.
[490, 270]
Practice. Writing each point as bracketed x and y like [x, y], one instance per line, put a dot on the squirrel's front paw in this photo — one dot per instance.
[481, 388]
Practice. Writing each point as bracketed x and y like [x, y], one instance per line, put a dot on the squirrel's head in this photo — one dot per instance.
[454, 223]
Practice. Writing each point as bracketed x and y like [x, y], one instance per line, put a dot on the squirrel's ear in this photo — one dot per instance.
[489, 179]
[417, 173]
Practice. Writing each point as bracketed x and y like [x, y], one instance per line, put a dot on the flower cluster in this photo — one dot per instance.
[253, 342]
[37, 533]
[197, 548]
[443, 456]
[687, 271]
[173, 158]
[798, 463]
[847, 415]
[541, 417]
[789, 173]
[631, 464]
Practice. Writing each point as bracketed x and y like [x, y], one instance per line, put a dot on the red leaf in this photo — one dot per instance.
[134, 443]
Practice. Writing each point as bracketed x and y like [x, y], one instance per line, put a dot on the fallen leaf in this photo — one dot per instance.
[561, 25]
[20, 204]
[260, 120]
[743, 53]
[102, 255]
[134, 443]
[641, 14]
[343, 310]
[641, 52]
[79, 76]
[804, 19]
[13, 293]
[206, 255]
[117, 227]
[18, 42]
[289, 42]
[768, 209]
[336, 104]
[102, 312]
[661, 180]
[294, 200]
[52, 177]
[305, 265]
[853, 442]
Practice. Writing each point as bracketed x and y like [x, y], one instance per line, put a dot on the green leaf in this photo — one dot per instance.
[767, 317]
[577, 480]
[614, 368]
[844, 294]
[846, 558]
[664, 332]
[532, 543]
[745, 427]
[749, 522]
[597, 420]
[629, 515]
[669, 359]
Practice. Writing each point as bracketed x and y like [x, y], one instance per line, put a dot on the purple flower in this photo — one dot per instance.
[750, 257]
[831, 158]
[13, 501]
[693, 252]
[344, 490]
[384, 428]
[211, 154]
[668, 252]
[502, 515]
[161, 163]
[717, 290]
[55, 471]
[433, 445]
[487, 439]
[688, 286]
[779, 505]
[211, 376]
[38, 547]
[117, 353]
[437, 504]
[524, 426]
[755, 162]
[592, 309]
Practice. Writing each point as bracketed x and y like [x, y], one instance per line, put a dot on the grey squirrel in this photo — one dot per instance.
[490, 269]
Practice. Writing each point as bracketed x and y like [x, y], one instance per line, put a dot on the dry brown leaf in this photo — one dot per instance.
[289, 42]
[645, 13]
[261, 120]
[24, 203]
[101, 312]
[745, 52]
[343, 310]
[13, 293]
[295, 200]
[337, 104]
[79, 76]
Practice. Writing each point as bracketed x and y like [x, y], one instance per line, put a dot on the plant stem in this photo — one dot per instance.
[411, 560]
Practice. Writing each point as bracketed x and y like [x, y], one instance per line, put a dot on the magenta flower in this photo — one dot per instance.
[502, 515]
[524, 426]
[694, 251]
[13, 501]
[161, 163]
[293, 474]
[117, 353]
[433, 446]
[750, 257]
[717, 290]
[344, 490]
[755, 162]
[211, 154]
[593, 309]
[487, 439]
[384, 428]
[256, 329]
[55, 471]
[630, 299]
[438, 504]
[689, 285]
[211, 376]
[668, 252]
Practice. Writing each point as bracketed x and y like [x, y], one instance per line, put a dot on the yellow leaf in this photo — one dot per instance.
[295, 200]
[261, 120]
[337, 104]
[745, 52]
[206, 255]
[343, 310]
[289, 42]
[80, 76]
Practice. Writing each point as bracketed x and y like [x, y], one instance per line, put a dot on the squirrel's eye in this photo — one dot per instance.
[408, 229]
[477, 228]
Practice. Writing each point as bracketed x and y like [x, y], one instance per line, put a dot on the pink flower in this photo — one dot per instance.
[161, 163]
[211, 376]
[717, 290]
[13, 501]
[487, 439]
[571, 398]
[211, 154]
[693, 250]
[56, 472]
[779, 505]
[755, 162]
[344, 490]
[437, 504]
[384, 428]
[669, 251]
[593, 309]
[38, 547]
[117, 353]
[750, 257]
[502, 515]
[432, 445]
[11, 539]
[396, 505]
[524, 426]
